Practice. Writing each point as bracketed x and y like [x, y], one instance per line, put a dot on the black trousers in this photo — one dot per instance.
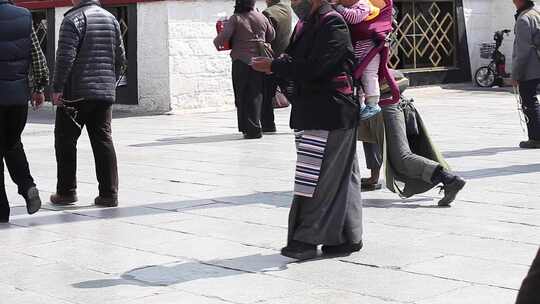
[531, 107]
[12, 123]
[267, 115]
[248, 94]
[97, 117]
[530, 289]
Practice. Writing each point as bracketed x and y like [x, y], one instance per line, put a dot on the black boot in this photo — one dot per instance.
[299, 251]
[343, 249]
[451, 191]
[33, 201]
[452, 185]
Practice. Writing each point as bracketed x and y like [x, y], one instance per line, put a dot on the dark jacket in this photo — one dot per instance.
[90, 55]
[280, 15]
[245, 31]
[15, 54]
[317, 55]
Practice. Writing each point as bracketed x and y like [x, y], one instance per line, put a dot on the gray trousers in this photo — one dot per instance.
[374, 158]
[333, 216]
[400, 156]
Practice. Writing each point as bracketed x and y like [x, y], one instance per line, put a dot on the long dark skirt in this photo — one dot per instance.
[248, 94]
[333, 215]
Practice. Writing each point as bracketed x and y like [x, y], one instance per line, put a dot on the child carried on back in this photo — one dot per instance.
[356, 13]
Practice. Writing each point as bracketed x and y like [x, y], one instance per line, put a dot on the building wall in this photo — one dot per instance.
[199, 75]
[180, 70]
[153, 57]
[483, 18]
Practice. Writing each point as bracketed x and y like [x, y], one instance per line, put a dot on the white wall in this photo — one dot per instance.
[199, 75]
[179, 68]
[153, 57]
[483, 18]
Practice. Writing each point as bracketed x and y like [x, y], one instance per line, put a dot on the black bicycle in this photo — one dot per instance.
[495, 72]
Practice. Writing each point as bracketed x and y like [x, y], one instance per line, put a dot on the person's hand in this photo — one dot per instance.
[57, 99]
[37, 100]
[515, 83]
[262, 64]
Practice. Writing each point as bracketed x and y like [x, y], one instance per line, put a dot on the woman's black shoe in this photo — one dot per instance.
[269, 130]
[299, 251]
[4, 213]
[342, 249]
[252, 136]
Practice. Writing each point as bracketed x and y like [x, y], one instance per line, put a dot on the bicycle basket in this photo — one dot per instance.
[486, 50]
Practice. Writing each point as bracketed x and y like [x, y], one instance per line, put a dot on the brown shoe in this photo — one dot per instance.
[106, 202]
[63, 200]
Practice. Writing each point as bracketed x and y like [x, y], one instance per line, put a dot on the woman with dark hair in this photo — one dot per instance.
[247, 31]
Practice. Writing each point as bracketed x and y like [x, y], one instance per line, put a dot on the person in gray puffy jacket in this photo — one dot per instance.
[89, 61]
[526, 67]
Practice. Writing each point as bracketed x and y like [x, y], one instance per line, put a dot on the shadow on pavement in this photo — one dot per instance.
[197, 140]
[399, 203]
[480, 152]
[182, 272]
[54, 215]
[472, 88]
[46, 115]
[500, 171]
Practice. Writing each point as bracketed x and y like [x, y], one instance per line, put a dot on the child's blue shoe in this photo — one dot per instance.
[369, 111]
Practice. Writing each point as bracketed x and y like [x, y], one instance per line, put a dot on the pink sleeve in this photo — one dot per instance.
[356, 13]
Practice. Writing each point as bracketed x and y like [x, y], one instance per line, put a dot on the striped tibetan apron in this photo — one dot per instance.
[310, 147]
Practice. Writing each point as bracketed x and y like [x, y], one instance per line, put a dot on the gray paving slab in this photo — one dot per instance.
[203, 215]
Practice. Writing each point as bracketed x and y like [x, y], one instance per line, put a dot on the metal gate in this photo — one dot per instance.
[127, 92]
[426, 35]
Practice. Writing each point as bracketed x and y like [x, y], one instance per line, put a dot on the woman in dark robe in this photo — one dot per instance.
[317, 66]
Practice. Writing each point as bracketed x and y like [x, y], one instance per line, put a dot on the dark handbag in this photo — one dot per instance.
[411, 123]
[280, 101]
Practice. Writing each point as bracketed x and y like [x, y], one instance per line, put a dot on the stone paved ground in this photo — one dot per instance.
[203, 216]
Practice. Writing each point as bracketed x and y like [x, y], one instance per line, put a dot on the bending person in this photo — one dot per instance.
[410, 158]
[327, 207]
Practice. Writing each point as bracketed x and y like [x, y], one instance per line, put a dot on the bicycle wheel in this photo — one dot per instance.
[485, 77]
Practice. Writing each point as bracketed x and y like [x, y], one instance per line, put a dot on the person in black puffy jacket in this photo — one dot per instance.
[89, 61]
